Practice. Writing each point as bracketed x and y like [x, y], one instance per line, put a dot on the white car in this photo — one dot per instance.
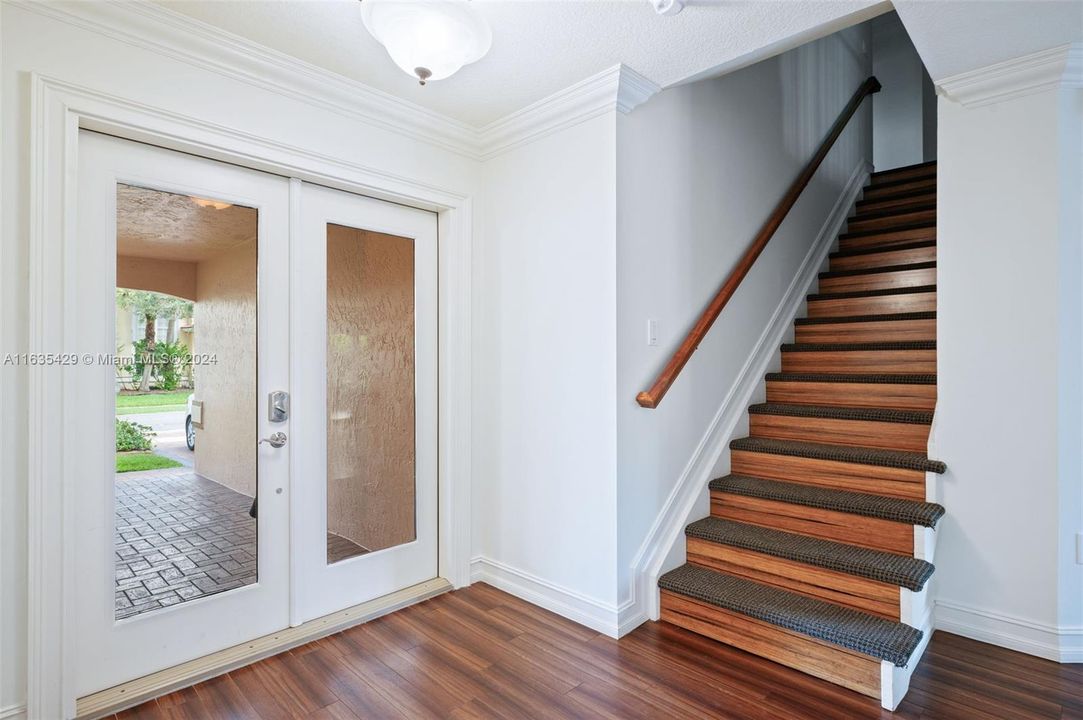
[189, 429]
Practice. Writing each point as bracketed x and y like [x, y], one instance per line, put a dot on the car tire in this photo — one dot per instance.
[190, 433]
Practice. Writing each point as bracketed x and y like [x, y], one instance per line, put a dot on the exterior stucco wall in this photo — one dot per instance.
[225, 313]
[370, 387]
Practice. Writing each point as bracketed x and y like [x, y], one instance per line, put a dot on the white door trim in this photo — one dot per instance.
[58, 110]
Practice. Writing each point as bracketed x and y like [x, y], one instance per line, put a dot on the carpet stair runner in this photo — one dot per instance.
[819, 544]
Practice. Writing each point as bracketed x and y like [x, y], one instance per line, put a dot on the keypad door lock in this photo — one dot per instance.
[278, 406]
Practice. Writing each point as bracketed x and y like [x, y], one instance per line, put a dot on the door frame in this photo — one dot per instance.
[58, 110]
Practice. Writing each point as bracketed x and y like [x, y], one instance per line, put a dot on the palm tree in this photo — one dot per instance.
[151, 306]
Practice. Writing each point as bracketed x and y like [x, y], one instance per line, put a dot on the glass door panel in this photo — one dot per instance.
[185, 440]
[370, 392]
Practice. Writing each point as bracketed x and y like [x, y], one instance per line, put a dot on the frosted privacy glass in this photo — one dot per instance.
[370, 392]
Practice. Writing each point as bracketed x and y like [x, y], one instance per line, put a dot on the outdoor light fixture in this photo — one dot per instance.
[216, 204]
[429, 39]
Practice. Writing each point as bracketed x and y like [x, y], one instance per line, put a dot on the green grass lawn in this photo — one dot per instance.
[130, 404]
[132, 461]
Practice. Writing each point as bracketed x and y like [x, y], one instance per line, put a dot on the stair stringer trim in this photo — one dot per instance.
[894, 680]
[662, 549]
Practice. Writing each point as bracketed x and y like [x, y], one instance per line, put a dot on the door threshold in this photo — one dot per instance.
[117, 698]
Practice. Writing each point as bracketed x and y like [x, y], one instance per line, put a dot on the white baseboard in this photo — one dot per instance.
[13, 712]
[668, 529]
[1061, 644]
[573, 605]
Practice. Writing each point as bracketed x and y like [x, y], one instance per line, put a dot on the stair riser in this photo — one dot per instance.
[887, 238]
[884, 259]
[859, 593]
[875, 395]
[879, 281]
[873, 305]
[858, 433]
[859, 224]
[843, 527]
[827, 662]
[880, 331]
[896, 482]
[877, 192]
[860, 361]
[896, 203]
[921, 171]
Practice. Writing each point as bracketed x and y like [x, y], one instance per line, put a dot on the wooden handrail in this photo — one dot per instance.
[651, 398]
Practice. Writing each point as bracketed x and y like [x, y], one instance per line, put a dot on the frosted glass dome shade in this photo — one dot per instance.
[429, 39]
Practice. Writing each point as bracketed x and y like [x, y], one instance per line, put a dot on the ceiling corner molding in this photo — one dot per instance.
[171, 34]
[1057, 67]
[618, 88]
[633, 90]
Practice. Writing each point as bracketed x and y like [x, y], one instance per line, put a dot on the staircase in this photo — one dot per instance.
[816, 553]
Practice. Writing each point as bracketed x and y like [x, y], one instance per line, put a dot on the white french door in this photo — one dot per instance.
[365, 378]
[154, 583]
[292, 472]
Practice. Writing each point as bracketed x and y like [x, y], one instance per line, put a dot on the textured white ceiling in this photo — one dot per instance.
[539, 46]
[961, 35]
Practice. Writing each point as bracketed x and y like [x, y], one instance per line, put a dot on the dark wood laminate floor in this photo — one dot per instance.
[480, 653]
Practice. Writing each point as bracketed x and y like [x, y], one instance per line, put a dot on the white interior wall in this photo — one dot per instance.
[1009, 361]
[33, 41]
[1070, 375]
[545, 353]
[904, 110]
[700, 167]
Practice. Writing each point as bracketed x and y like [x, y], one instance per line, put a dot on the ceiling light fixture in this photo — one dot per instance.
[429, 39]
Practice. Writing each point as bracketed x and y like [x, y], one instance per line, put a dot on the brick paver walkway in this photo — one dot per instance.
[180, 536]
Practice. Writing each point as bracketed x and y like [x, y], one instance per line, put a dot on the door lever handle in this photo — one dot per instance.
[276, 440]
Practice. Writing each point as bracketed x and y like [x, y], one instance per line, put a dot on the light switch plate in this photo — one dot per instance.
[652, 332]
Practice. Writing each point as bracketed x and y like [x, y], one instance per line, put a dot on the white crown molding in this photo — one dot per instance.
[166, 32]
[1057, 67]
[616, 88]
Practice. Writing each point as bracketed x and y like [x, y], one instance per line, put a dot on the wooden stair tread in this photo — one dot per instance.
[894, 346]
[925, 206]
[919, 193]
[905, 572]
[840, 453]
[877, 270]
[919, 168]
[886, 317]
[914, 289]
[910, 417]
[924, 195]
[900, 186]
[888, 231]
[882, 379]
[851, 629]
[885, 181]
[879, 250]
[882, 507]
